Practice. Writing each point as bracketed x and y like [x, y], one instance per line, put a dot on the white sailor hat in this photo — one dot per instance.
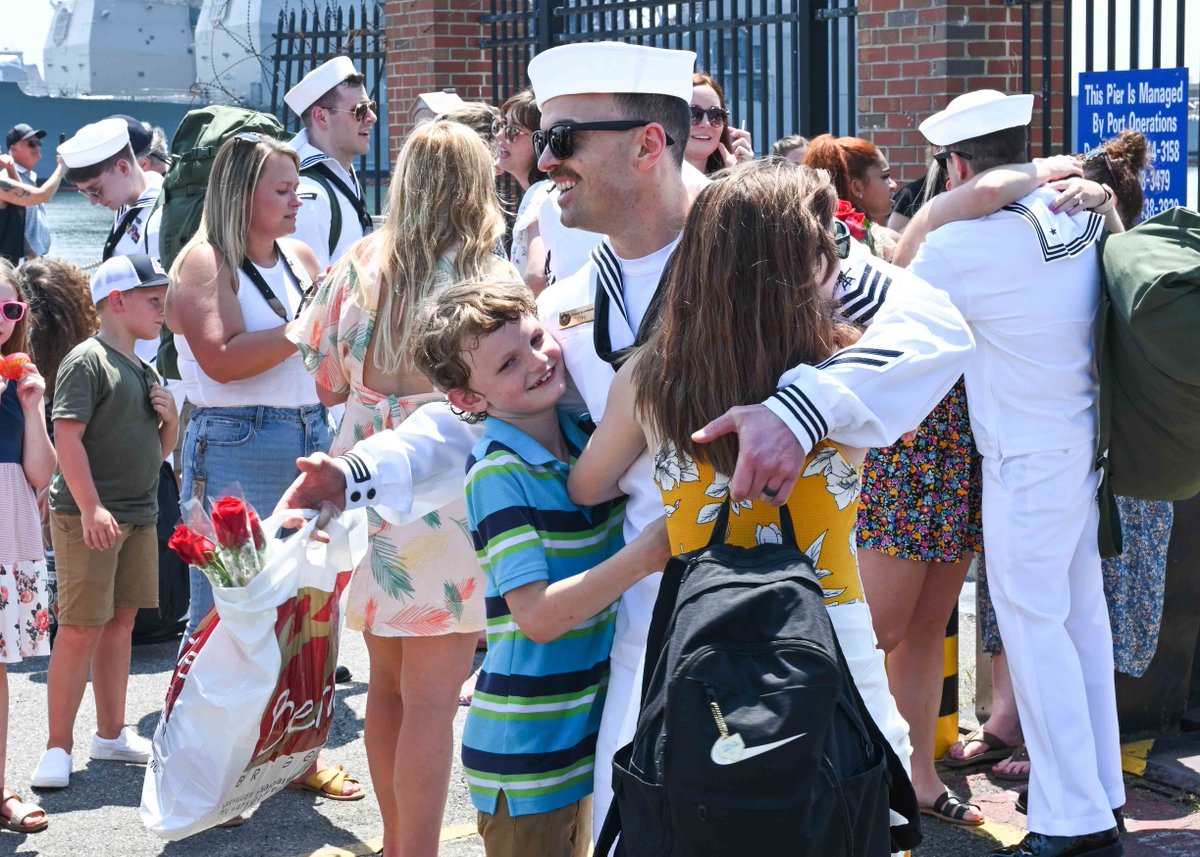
[611, 67]
[317, 82]
[93, 143]
[975, 114]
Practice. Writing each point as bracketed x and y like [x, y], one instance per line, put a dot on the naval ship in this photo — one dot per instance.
[151, 59]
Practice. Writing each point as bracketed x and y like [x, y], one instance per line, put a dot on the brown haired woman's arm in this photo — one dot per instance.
[203, 308]
[982, 195]
[615, 445]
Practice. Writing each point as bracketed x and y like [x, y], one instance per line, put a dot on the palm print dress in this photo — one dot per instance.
[420, 579]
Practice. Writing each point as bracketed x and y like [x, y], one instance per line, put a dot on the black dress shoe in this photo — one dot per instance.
[1023, 808]
[1106, 843]
[342, 675]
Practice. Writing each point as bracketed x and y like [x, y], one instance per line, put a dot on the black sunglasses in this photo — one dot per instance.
[33, 143]
[560, 138]
[716, 115]
[13, 310]
[943, 156]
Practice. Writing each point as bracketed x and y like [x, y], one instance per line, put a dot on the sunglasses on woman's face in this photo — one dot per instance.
[511, 131]
[560, 138]
[13, 310]
[716, 115]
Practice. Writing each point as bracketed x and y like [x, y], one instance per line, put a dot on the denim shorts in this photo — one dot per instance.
[254, 448]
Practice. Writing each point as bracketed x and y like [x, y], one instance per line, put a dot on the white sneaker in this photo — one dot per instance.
[53, 771]
[126, 747]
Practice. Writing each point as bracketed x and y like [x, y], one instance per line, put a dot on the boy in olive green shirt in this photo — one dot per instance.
[113, 424]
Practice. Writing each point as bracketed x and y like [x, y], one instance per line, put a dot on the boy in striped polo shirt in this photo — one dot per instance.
[554, 571]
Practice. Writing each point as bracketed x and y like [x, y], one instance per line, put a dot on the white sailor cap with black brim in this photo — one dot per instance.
[976, 114]
[317, 82]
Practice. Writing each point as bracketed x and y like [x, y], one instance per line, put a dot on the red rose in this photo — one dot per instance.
[193, 548]
[260, 538]
[13, 366]
[853, 218]
[231, 521]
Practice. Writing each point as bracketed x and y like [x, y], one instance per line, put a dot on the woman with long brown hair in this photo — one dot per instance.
[418, 595]
[714, 143]
[748, 297]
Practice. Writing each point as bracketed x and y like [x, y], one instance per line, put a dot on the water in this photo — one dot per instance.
[77, 227]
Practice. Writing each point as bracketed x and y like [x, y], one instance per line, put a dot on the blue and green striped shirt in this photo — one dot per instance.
[531, 729]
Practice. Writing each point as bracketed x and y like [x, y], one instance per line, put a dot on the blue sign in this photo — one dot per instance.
[1153, 101]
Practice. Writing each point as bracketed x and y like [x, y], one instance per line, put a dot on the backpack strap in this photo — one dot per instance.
[328, 179]
[114, 237]
[255, 276]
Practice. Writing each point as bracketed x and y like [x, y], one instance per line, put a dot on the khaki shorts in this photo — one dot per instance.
[91, 584]
[563, 832]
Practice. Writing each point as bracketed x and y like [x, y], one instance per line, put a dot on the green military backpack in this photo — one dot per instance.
[1150, 357]
[193, 149]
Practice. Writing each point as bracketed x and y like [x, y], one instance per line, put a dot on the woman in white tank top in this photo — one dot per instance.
[234, 288]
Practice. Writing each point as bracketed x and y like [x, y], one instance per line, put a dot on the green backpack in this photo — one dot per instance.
[1150, 357]
[194, 147]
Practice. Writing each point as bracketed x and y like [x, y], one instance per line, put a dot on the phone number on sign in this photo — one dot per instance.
[1157, 181]
[1157, 206]
[1166, 152]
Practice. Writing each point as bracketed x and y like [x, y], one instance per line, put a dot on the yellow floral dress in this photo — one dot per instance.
[823, 507]
[420, 579]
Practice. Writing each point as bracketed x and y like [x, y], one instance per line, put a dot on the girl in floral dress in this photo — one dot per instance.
[418, 595]
[27, 462]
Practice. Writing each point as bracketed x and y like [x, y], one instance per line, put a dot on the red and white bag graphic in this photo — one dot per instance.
[249, 703]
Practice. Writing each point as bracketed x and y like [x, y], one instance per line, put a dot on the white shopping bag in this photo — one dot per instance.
[251, 697]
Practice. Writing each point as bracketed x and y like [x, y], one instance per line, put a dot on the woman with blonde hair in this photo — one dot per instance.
[418, 596]
[234, 288]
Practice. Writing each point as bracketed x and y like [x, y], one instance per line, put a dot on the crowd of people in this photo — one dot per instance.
[542, 399]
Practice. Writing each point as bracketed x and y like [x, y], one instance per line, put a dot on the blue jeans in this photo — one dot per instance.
[253, 447]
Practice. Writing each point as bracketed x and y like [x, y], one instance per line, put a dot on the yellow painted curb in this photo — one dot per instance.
[1002, 833]
[1134, 755]
[372, 846]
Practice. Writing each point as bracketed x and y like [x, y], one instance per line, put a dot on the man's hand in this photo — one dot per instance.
[100, 529]
[320, 481]
[769, 456]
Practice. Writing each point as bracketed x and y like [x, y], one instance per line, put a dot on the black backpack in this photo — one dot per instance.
[168, 619]
[752, 738]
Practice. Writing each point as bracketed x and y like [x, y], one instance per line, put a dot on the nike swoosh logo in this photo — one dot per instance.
[743, 753]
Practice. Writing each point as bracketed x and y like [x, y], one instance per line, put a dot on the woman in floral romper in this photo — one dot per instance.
[418, 596]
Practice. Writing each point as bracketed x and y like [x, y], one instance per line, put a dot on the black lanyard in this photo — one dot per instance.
[256, 277]
[356, 200]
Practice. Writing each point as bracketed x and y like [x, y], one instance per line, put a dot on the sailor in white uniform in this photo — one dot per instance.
[1027, 280]
[102, 163]
[337, 115]
[622, 177]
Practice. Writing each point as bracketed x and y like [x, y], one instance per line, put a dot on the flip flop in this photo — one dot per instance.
[16, 821]
[950, 808]
[1018, 755]
[996, 750]
[330, 782]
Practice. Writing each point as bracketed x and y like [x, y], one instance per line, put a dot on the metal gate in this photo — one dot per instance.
[787, 66]
[318, 33]
[1131, 34]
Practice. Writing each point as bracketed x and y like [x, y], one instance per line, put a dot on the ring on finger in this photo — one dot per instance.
[770, 492]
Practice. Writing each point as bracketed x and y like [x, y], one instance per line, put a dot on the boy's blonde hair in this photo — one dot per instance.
[451, 322]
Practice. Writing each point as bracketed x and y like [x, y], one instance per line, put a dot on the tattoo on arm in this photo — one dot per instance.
[13, 187]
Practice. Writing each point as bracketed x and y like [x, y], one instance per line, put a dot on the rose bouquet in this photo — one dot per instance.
[227, 544]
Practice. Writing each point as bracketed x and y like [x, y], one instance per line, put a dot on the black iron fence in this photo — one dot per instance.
[1061, 39]
[787, 66]
[316, 33]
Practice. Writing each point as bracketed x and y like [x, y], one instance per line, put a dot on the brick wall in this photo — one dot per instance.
[916, 55]
[433, 44]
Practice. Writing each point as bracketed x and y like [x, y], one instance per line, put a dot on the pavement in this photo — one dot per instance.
[97, 814]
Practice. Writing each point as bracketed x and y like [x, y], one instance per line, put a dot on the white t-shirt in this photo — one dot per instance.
[286, 385]
[527, 215]
[1028, 283]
